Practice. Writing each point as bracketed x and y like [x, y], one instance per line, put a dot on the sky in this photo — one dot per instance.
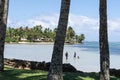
[83, 17]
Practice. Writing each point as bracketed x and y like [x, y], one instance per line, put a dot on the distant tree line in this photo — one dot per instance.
[37, 34]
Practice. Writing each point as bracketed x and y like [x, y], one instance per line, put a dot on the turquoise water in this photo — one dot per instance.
[88, 53]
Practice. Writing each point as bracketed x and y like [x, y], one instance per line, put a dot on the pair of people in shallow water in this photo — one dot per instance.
[75, 55]
[66, 54]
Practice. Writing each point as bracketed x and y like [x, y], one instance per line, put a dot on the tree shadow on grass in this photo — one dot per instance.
[81, 76]
[39, 77]
[84, 76]
[18, 74]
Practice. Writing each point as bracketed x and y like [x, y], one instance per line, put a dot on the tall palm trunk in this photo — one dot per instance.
[103, 39]
[3, 22]
[55, 72]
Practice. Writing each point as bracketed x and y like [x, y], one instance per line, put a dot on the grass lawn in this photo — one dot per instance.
[19, 74]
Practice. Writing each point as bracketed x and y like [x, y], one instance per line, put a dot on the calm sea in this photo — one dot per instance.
[88, 53]
[114, 47]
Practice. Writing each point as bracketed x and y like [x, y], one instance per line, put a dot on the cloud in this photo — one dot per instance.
[83, 21]
[9, 21]
[76, 21]
[114, 25]
[81, 24]
[15, 24]
[45, 20]
[52, 21]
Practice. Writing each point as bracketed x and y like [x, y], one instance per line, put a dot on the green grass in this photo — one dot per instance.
[19, 74]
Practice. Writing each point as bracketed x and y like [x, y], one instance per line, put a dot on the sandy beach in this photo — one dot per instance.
[30, 43]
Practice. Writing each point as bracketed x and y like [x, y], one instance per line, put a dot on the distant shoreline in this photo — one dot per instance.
[30, 43]
[37, 43]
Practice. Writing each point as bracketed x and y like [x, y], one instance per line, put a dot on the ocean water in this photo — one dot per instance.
[114, 47]
[88, 54]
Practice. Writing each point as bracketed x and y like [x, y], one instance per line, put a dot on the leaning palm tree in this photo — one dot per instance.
[3, 23]
[103, 39]
[55, 72]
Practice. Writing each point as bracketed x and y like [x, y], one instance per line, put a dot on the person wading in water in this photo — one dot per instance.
[74, 54]
[66, 55]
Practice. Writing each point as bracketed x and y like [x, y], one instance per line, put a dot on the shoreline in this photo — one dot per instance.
[45, 43]
[35, 42]
[30, 43]
[34, 65]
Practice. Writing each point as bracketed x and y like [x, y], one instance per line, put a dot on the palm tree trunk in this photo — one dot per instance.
[55, 72]
[3, 22]
[103, 39]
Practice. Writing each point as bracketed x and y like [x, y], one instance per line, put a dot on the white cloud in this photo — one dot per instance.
[9, 21]
[114, 25]
[81, 24]
[45, 20]
[82, 20]
[76, 21]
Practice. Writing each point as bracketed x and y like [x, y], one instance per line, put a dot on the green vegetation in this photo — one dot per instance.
[37, 34]
[71, 37]
[19, 74]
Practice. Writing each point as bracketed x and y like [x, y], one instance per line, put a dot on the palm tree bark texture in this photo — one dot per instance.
[55, 72]
[103, 39]
[3, 22]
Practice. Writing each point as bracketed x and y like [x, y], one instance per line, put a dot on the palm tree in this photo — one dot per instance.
[3, 22]
[70, 34]
[103, 39]
[55, 72]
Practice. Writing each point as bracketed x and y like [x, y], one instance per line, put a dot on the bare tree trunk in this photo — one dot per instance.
[3, 23]
[55, 72]
[104, 46]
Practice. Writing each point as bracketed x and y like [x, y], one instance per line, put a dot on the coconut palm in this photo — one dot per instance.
[103, 39]
[3, 22]
[55, 72]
